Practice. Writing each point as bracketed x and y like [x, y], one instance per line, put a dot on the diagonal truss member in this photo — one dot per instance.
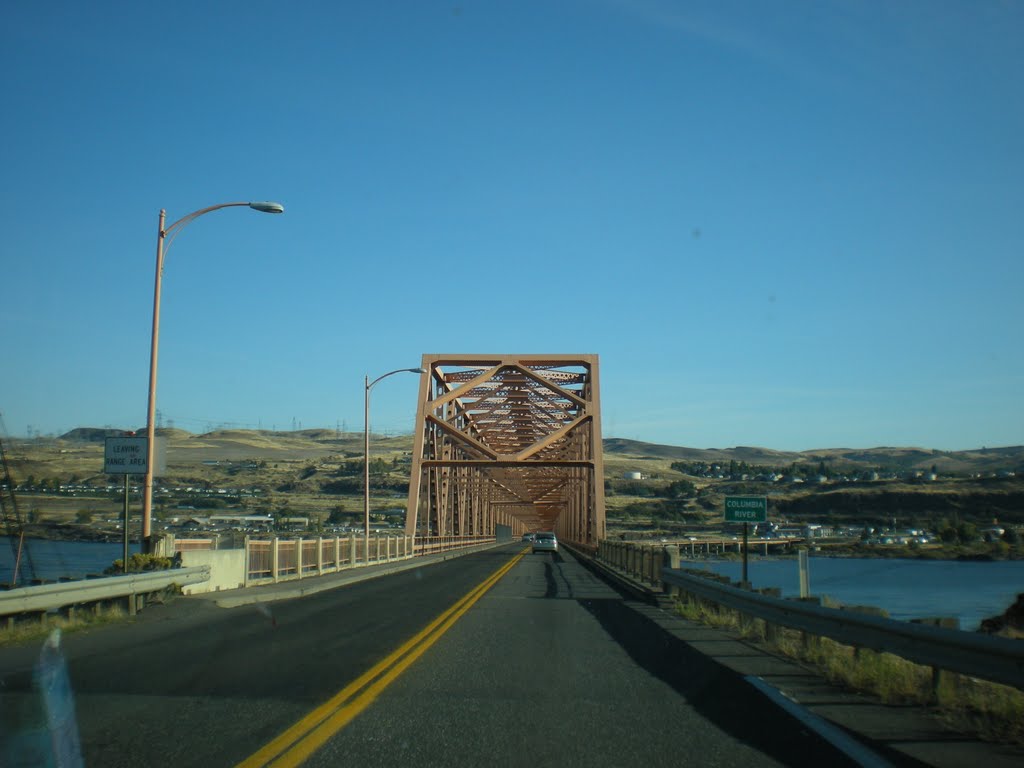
[508, 440]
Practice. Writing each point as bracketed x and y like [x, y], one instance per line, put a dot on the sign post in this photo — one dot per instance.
[127, 456]
[746, 510]
[124, 563]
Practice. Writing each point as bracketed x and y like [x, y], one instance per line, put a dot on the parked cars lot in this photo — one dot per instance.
[545, 542]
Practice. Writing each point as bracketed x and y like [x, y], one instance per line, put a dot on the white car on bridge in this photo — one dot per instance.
[545, 541]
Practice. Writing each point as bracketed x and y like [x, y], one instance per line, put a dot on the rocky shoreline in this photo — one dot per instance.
[1009, 624]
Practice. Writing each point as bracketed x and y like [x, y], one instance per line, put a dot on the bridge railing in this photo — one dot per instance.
[187, 545]
[268, 561]
[997, 659]
[277, 559]
[428, 545]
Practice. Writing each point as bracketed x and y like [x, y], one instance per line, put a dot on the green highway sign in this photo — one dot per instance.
[746, 509]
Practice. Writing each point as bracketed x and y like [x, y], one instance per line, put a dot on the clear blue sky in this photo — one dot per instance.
[795, 224]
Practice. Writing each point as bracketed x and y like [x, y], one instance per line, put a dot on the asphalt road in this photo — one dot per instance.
[549, 667]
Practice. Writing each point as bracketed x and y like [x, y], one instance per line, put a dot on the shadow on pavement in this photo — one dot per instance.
[719, 694]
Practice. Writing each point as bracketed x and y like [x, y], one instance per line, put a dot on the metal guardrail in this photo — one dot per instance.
[998, 659]
[47, 597]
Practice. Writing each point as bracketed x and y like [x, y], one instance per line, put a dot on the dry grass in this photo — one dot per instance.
[996, 712]
[33, 630]
[616, 465]
[279, 456]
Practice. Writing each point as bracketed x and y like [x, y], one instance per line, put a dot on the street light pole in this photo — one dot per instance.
[366, 447]
[147, 485]
[162, 244]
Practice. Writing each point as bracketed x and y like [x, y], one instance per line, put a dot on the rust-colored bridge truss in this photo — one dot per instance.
[508, 440]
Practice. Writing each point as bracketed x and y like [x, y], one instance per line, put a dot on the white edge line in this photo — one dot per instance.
[835, 736]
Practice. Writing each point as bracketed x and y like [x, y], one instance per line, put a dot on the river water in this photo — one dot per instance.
[54, 560]
[906, 589]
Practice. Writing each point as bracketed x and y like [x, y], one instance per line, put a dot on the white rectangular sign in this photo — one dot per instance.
[127, 456]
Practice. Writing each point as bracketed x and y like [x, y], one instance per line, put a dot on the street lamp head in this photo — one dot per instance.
[371, 384]
[366, 445]
[267, 207]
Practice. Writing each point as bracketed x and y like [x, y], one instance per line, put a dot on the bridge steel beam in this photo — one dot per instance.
[508, 440]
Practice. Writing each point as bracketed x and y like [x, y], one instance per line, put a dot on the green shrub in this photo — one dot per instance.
[139, 562]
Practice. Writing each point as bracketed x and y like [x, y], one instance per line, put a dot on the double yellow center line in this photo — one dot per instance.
[301, 740]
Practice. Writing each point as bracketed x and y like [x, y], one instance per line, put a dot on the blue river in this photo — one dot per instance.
[53, 560]
[906, 589]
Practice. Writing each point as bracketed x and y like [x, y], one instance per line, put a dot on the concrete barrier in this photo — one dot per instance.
[227, 569]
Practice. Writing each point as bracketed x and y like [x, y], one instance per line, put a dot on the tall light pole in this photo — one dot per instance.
[366, 444]
[165, 236]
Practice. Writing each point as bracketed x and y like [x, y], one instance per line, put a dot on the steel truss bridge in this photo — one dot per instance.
[508, 440]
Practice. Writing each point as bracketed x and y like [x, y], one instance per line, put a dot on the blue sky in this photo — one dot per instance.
[795, 225]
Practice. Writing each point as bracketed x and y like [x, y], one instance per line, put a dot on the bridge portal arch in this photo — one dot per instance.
[508, 440]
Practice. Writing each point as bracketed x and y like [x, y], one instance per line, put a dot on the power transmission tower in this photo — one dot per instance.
[12, 519]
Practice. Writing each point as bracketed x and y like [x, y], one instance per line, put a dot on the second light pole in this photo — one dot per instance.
[366, 450]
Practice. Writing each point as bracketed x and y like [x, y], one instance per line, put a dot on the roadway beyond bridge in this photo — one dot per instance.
[496, 657]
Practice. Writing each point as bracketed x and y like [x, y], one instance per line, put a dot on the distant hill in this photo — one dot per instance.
[976, 460]
[309, 443]
[618, 445]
